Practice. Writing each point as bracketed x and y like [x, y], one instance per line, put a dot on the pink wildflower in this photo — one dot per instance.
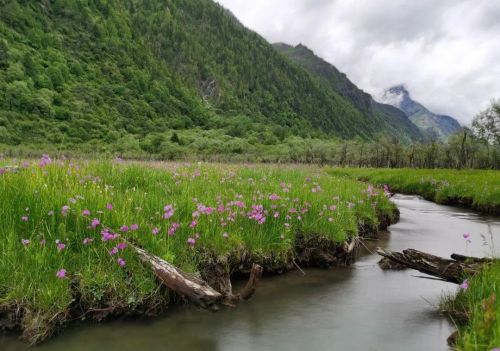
[121, 262]
[95, 223]
[274, 197]
[24, 218]
[109, 207]
[87, 241]
[86, 213]
[25, 242]
[191, 242]
[45, 160]
[61, 274]
[121, 246]
[169, 211]
[113, 251]
[173, 228]
[155, 231]
[465, 285]
[134, 227]
[64, 210]
[193, 224]
[61, 246]
[124, 228]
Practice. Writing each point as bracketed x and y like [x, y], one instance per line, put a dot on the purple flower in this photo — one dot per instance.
[109, 207]
[24, 218]
[94, 223]
[173, 228]
[124, 228]
[45, 160]
[169, 211]
[155, 231]
[113, 251]
[274, 197]
[191, 241]
[25, 242]
[64, 210]
[121, 246]
[87, 241]
[61, 246]
[107, 235]
[225, 235]
[193, 224]
[121, 262]
[86, 213]
[464, 285]
[61, 274]
[134, 227]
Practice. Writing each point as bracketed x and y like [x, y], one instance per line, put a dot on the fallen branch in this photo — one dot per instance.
[253, 281]
[453, 270]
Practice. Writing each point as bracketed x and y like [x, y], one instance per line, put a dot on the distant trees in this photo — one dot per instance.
[486, 124]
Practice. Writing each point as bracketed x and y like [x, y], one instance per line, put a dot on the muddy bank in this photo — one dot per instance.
[308, 251]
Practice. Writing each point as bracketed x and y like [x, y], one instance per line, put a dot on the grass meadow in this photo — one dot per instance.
[64, 227]
[476, 189]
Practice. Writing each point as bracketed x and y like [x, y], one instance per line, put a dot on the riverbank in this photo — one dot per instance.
[475, 308]
[475, 189]
[66, 227]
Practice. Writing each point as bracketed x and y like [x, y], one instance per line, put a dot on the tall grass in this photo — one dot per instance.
[60, 215]
[480, 304]
[478, 189]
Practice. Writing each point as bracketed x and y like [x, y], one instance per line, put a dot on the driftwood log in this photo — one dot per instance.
[453, 270]
[196, 289]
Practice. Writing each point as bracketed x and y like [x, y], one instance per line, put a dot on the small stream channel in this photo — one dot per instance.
[350, 308]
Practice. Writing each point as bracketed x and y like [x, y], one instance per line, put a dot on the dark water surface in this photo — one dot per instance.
[355, 308]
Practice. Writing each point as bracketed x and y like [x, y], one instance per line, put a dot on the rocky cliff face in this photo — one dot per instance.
[432, 125]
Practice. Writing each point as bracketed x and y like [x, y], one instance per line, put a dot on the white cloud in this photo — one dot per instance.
[446, 52]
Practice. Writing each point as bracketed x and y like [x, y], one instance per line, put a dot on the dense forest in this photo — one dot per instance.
[183, 79]
[123, 76]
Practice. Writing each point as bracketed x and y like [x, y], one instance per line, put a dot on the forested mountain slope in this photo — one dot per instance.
[117, 72]
[390, 118]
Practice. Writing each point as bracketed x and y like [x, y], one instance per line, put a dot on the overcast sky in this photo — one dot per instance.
[446, 52]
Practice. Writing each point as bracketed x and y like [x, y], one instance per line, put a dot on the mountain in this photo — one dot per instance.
[390, 118]
[125, 74]
[431, 124]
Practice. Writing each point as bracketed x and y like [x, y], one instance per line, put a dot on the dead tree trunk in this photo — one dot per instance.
[195, 289]
[186, 285]
[453, 270]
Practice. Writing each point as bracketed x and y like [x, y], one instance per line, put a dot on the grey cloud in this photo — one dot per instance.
[446, 52]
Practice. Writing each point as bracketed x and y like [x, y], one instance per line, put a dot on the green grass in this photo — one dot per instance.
[480, 304]
[310, 202]
[477, 189]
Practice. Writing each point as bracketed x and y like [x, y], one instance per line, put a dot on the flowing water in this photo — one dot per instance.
[353, 308]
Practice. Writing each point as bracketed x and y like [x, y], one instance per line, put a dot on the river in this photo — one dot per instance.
[360, 307]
